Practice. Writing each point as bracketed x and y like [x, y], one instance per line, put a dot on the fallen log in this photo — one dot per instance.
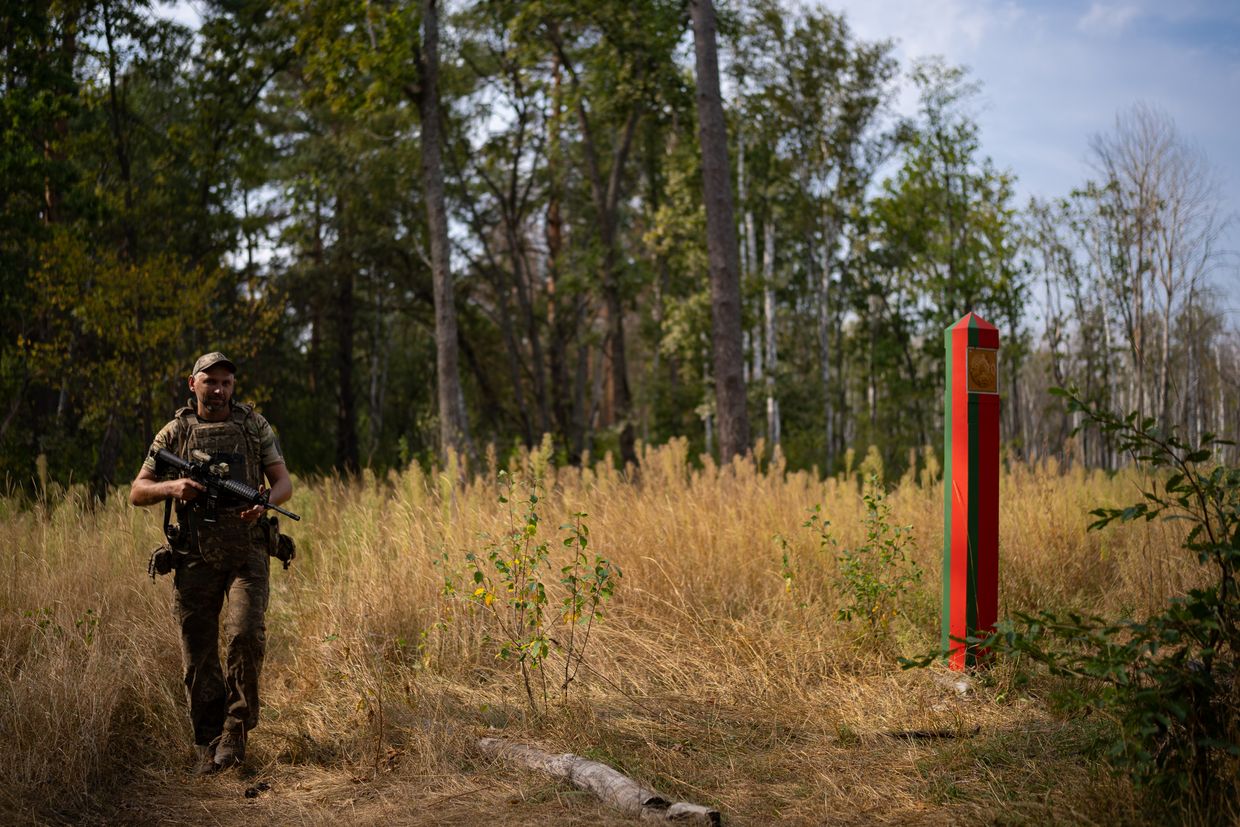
[613, 787]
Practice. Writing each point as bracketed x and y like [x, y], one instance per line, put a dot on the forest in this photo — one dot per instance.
[604, 343]
[422, 229]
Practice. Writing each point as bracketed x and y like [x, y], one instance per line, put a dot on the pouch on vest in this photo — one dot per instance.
[279, 546]
[227, 540]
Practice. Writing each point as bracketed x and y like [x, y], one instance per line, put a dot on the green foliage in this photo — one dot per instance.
[49, 625]
[1170, 680]
[115, 246]
[589, 582]
[508, 582]
[268, 166]
[789, 570]
[809, 121]
[940, 239]
[875, 576]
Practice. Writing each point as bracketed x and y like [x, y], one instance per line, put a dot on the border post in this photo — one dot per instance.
[970, 487]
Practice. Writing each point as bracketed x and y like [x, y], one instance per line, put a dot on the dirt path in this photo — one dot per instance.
[751, 762]
[276, 794]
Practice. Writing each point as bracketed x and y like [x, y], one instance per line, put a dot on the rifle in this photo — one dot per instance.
[213, 476]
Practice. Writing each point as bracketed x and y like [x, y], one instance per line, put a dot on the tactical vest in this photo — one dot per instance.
[225, 542]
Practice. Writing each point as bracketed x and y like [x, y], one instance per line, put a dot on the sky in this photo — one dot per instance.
[1054, 73]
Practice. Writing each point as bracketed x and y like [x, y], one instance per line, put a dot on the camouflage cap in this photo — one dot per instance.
[212, 360]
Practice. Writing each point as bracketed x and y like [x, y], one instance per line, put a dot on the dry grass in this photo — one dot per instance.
[709, 681]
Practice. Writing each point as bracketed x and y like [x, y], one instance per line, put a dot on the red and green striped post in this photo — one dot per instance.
[970, 487]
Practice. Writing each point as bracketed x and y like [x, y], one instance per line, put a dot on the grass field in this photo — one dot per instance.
[719, 676]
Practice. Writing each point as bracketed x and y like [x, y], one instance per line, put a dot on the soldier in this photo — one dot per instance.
[224, 558]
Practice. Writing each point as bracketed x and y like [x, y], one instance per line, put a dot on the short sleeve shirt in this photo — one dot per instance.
[169, 437]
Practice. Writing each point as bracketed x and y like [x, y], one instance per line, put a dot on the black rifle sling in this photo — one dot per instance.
[169, 534]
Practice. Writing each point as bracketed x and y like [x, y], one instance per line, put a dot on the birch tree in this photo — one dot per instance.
[453, 425]
[1157, 204]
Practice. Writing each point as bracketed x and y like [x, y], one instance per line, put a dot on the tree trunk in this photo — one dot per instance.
[617, 357]
[1194, 420]
[346, 406]
[770, 355]
[1220, 404]
[1108, 390]
[117, 114]
[378, 376]
[511, 199]
[749, 270]
[314, 355]
[749, 261]
[720, 240]
[1017, 433]
[54, 149]
[874, 308]
[823, 291]
[1138, 338]
[829, 327]
[606, 201]
[1164, 362]
[581, 379]
[523, 287]
[839, 414]
[606, 197]
[560, 309]
[514, 359]
[105, 464]
[109, 447]
[453, 424]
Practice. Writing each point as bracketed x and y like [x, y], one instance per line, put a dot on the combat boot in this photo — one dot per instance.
[204, 759]
[231, 749]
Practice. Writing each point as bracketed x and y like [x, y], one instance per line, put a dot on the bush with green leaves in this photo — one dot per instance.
[588, 582]
[1170, 681]
[876, 575]
[508, 583]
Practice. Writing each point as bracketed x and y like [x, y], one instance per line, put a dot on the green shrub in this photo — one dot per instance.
[1170, 680]
[875, 576]
[507, 580]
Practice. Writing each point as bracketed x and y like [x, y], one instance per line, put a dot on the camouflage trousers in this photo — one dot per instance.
[228, 693]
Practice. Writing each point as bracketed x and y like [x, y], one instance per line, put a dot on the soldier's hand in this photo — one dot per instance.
[255, 511]
[184, 489]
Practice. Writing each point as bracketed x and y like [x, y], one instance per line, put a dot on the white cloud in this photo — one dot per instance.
[185, 12]
[931, 27]
[1108, 18]
[1054, 73]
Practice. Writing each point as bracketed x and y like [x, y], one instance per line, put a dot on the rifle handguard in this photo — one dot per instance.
[199, 472]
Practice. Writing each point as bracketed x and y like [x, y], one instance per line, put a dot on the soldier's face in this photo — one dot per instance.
[213, 389]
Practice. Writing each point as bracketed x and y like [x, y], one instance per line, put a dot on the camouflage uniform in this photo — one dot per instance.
[228, 559]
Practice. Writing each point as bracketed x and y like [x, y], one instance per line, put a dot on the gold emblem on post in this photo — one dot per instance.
[983, 375]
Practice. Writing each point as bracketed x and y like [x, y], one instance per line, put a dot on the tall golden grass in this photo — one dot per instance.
[713, 678]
